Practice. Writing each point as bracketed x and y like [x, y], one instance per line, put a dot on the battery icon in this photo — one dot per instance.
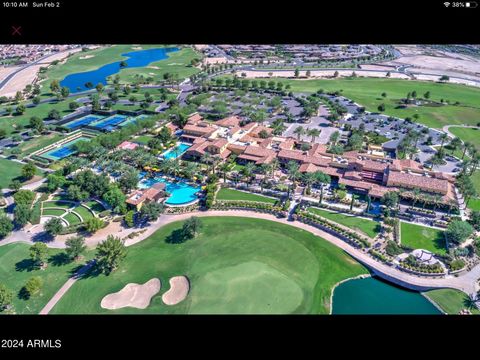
[471, 4]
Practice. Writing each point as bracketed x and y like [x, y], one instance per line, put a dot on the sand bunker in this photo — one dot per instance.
[132, 295]
[179, 287]
[86, 57]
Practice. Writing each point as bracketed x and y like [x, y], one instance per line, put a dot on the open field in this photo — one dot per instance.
[16, 268]
[367, 92]
[231, 194]
[422, 237]
[471, 135]
[10, 170]
[450, 300]
[251, 265]
[368, 227]
[474, 204]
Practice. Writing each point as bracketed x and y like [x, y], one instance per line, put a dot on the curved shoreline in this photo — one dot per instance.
[361, 276]
[434, 303]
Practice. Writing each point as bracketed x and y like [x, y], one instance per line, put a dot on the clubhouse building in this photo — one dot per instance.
[366, 172]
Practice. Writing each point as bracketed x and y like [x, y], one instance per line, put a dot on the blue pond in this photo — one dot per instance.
[181, 192]
[176, 151]
[76, 82]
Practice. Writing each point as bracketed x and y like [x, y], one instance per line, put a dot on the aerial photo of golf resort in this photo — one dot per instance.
[240, 179]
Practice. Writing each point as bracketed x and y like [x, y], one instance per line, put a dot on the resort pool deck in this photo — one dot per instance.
[63, 151]
[83, 121]
[181, 193]
[175, 152]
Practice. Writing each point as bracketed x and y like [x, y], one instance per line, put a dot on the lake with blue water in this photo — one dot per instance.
[374, 296]
[76, 82]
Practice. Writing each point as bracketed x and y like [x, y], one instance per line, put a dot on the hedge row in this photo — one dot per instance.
[331, 227]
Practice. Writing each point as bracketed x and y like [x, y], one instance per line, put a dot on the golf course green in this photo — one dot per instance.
[235, 265]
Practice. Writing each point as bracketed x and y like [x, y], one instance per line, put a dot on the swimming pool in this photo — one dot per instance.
[176, 151]
[181, 192]
[63, 151]
[83, 121]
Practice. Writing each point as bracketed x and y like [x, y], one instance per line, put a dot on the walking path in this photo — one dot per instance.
[465, 282]
[59, 294]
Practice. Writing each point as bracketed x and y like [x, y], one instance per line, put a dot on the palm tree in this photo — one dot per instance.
[224, 169]
[455, 144]
[293, 174]
[313, 133]
[467, 146]
[308, 179]
[190, 170]
[321, 178]
[206, 159]
[274, 164]
[299, 131]
[247, 171]
[443, 137]
[436, 200]
[416, 195]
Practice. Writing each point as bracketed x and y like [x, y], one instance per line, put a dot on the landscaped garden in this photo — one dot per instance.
[234, 265]
[71, 211]
[422, 237]
[231, 194]
[368, 227]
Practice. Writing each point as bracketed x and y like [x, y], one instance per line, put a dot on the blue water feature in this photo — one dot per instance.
[76, 82]
[176, 151]
[83, 121]
[180, 192]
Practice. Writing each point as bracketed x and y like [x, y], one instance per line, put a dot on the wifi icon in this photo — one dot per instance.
[447, 4]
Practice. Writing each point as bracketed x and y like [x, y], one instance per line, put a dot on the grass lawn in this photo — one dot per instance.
[231, 194]
[95, 206]
[368, 227]
[450, 300]
[235, 265]
[84, 212]
[16, 269]
[367, 92]
[72, 218]
[37, 143]
[143, 139]
[422, 237]
[10, 170]
[474, 204]
[53, 212]
[58, 204]
[471, 135]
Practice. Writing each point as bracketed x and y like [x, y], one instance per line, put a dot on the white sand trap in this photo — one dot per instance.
[153, 67]
[179, 287]
[137, 48]
[86, 57]
[132, 295]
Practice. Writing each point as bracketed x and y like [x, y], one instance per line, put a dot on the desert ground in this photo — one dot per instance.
[29, 74]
